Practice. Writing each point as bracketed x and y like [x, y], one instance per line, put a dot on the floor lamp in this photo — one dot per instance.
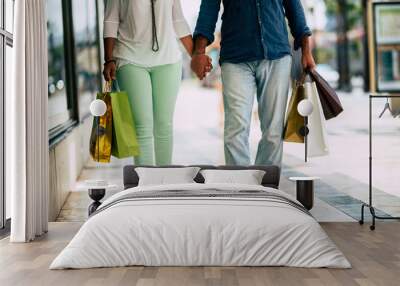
[97, 188]
[305, 108]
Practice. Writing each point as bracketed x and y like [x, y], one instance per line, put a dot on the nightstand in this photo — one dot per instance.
[96, 195]
[96, 191]
[305, 190]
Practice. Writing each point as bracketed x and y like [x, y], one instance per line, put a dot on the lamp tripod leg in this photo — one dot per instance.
[305, 139]
[98, 137]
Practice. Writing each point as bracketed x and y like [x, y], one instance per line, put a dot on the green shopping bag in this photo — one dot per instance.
[124, 142]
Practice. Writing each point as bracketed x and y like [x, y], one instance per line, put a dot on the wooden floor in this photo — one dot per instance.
[375, 257]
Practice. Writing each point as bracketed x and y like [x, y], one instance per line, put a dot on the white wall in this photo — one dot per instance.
[67, 159]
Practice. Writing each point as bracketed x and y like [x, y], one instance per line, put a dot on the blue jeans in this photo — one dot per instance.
[269, 80]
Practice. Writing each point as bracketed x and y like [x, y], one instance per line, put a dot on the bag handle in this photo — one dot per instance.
[107, 87]
[302, 79]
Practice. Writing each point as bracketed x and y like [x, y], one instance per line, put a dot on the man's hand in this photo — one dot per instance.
[201, 65]
[109, 71]
[307, 59]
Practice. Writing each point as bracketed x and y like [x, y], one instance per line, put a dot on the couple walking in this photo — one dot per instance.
[142, 53]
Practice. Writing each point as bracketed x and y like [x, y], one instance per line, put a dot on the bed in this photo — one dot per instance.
[198, 224]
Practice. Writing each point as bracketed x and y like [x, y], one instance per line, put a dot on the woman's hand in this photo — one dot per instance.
[109, 71]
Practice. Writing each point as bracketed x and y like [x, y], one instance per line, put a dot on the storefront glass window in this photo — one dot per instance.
[84, 16]
[58, 109]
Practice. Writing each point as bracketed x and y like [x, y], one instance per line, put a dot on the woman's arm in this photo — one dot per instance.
[181, 27]
[111, 26]
[187, 42]
[110, 66]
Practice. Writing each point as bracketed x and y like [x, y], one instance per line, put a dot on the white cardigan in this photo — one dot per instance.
[130, 22]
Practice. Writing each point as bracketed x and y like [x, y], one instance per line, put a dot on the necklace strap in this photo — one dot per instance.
[155, 46]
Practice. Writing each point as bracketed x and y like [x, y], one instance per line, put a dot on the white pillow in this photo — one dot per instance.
[166, 176]
[247, 177]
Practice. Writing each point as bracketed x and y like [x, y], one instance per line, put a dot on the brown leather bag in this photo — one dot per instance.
[330, 101]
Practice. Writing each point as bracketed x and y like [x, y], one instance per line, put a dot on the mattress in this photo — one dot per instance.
[201, 225]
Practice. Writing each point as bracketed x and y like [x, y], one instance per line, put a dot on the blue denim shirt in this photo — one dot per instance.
[253, 29]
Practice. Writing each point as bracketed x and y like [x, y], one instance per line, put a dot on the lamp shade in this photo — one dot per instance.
[305, 107]
[98, 107]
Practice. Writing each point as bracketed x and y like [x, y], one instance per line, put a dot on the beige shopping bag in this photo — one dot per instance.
[317, 137]
[294, 121]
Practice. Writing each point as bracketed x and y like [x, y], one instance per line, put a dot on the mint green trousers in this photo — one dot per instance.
[152, 95]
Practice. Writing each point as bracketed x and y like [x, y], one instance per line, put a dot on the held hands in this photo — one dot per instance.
[109, 71]
[201, 65]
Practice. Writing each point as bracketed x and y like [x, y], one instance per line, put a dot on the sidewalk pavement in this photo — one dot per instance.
[344, 172]
[198, 139]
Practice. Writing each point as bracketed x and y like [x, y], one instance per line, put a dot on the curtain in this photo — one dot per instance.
[27, 124]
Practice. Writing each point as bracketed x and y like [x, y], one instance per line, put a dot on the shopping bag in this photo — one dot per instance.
[317, 136]
[394, 103]
[330, 101]
[125, 143]
[101, 136]
[294, 121]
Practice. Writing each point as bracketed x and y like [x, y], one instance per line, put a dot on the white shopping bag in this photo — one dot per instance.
[317, 137]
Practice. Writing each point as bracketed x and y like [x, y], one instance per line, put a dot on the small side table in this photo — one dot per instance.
[305, 190]
[96, 195]
[96, 191]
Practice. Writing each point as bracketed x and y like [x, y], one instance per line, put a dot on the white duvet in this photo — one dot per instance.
[200, 231]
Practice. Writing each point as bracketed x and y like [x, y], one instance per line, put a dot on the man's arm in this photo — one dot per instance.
[204, 35]
[201, 63]
[299, 30]
[207, 20]
[307, 59]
